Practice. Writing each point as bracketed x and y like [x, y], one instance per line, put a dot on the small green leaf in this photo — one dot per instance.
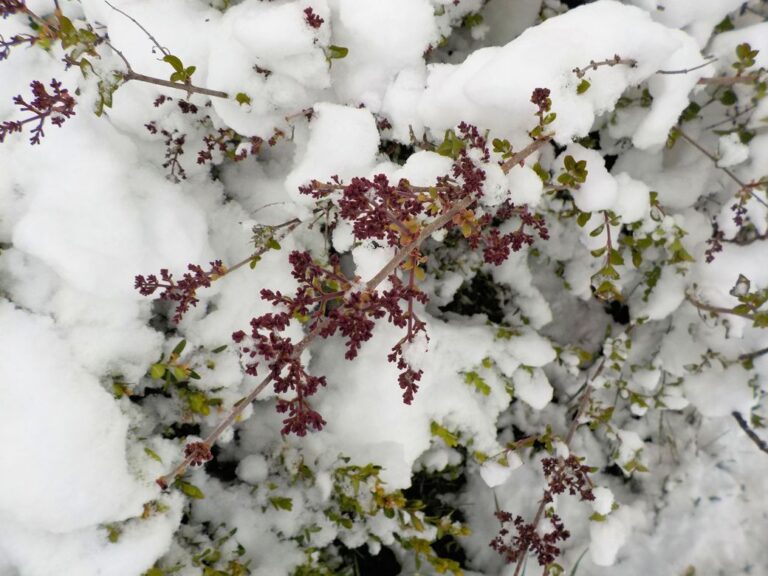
[242, 98]
[179, 348]
[337, 52]
[157, 371]
[189, 489]
[175, 62]
[474, 379]
[583, 86]
[446, 435]
[725, 25]
[598, 252]
[152, 454]
[219, 350]
[583, 218]
[281, 503]
[189, 71]
[273, 244]
[728, 98]
[597, 231]
[616, 258]
[113, 533]
[198, 403]
[473, 19]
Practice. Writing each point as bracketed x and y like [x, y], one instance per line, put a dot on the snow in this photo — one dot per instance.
[606, 538]
[492, 86]
[731, 151]
[88, 430]
[600, 190]
[383, 40]
[68, 417]
[495, 474]
[603, 502]
[532, 387]
[343, 142]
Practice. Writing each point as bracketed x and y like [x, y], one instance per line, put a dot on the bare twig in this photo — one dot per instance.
[759, 442]
[162, 49]
[717, 309]
[615, 61]
[743, 185]
[753, 355]
[687, 70]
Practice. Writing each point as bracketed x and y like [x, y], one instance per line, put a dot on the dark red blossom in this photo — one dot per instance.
[540, 99]
[526, 538]
[8, 7]
[56, 106]
[185, 290]
[567, 474]
[198, 453]
[562, 474]
[714, 244]
[311, 18]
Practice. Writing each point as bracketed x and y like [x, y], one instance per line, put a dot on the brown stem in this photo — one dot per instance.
[289, 227]
[583, 404]
[717, 309]
[753, 355]
[525, 152]
[371, 285]
[615, 61]
[729, 80]
[759, 442]
[189, 88]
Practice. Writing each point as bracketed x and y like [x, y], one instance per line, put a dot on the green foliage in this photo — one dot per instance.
[334, 52]
[745, 57]
[451, 440]
[473, 19]
[474, 379]
[242, 98]
[451, 146]
[181, 73]
[574, 173]
[188, 489]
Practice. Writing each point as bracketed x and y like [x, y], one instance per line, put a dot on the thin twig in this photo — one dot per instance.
[687, 70]
[717, 309]
[731, 118]
[759, 442]
[162, 49]
[583, 403]
[615, 61]
[753, 355]
[744, 186]
[370, 286]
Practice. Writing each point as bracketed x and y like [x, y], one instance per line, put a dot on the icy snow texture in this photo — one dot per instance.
[492, 87]
[343, 142]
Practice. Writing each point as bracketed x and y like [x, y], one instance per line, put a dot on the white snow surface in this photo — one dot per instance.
[91, 207]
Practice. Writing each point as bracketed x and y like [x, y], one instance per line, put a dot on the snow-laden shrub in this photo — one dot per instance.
[485, 288]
